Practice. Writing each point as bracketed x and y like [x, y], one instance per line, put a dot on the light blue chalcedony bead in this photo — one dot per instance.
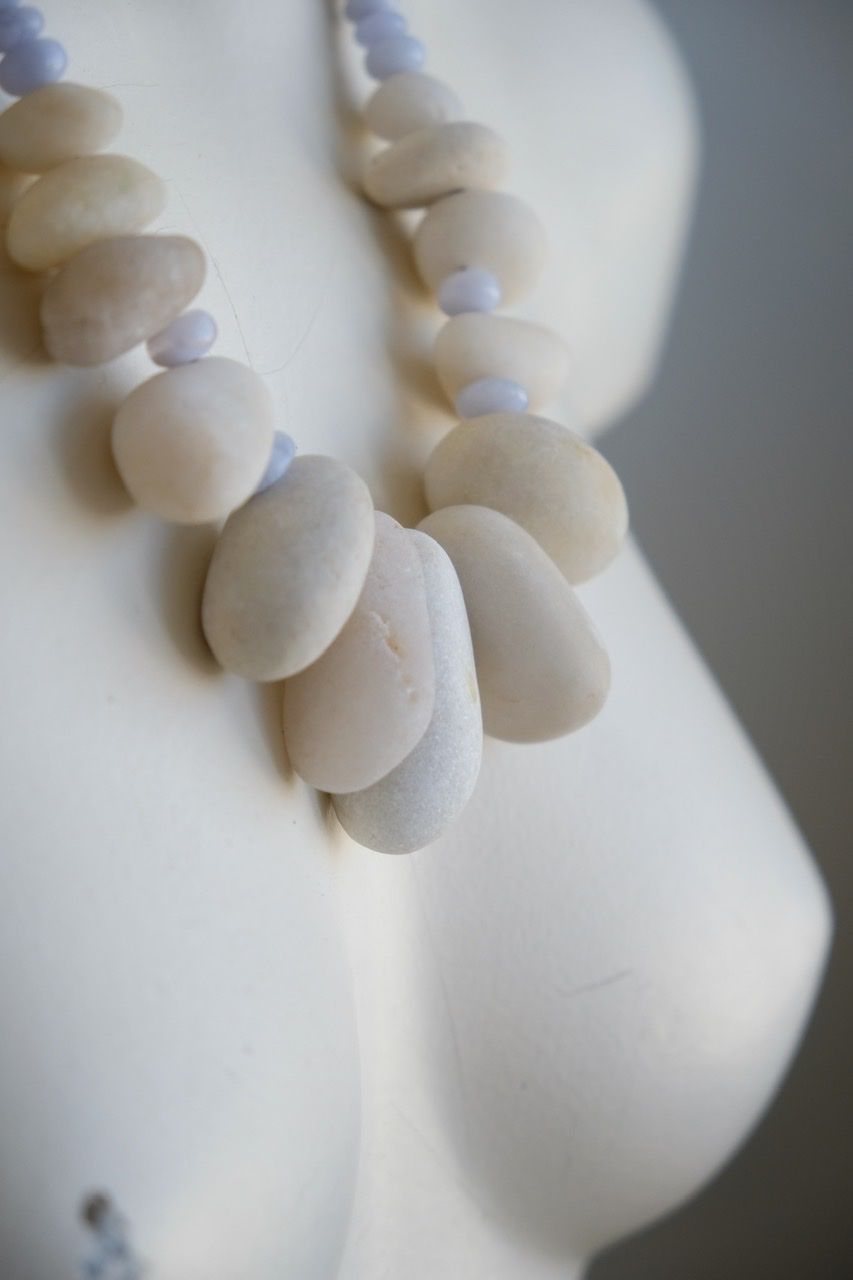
[31, 65]
[379, 26]
[18, 25]
[491, 395]
[283, 453]
[355, 10]
[184, 340]
[394, 54]
[471, 289]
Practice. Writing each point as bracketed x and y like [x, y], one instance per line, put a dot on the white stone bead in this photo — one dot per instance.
[366, 703]
[417, 801]
[542, 669]
[488, 229]
[288, 570]
[474, 346]
[430, 163]
[408, 101]
[56, 123]
[192, 443]
[542, 476]
[116, 293]
[81, 201]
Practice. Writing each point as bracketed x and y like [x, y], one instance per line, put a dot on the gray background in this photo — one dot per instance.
[739, 467]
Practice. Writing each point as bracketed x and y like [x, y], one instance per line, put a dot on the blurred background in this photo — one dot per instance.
[749, 526]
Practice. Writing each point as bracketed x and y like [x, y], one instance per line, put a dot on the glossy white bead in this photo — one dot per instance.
[56, 123]
[476, 346]
[471, 289]
[491, 395]
[433, 162]
[408, 101]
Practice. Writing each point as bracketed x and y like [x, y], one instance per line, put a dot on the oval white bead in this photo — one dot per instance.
[417, 801]
[474, 346]
[408, 101]
[288, 570]
[366, 703]
[192, 443]
[81, 201]
[488, 229]
[433, 162]
[56, 123]
[542, 476]
[542, 669]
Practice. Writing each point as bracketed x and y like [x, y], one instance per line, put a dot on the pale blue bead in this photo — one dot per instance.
[357, 9]
[491, 395]
[18, 25]
[379, 26]
[471, 289]
[32, 64]
[395, 54]
[283, 453]
[184, 340]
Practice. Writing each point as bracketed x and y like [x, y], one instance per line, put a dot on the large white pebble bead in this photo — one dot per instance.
[79, 202]
[542, 669]
[56, 123]
[541, 475]
[488, 229]
[417, 801]
[116, 293]
[288, 570]
[474, 346]
[408, 101]
[432, 162]
[366, 703]
[192, 443]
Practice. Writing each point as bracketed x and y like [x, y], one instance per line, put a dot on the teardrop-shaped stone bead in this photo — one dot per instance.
[417, 801]
[541, 475]
[474, 346]
[81, 201]
[116, 293]
[57, 123]
[488, 229]
[192, 443]
[366, 703]
[541, 668]
[288, 570]
[432, 162]
[408, 101]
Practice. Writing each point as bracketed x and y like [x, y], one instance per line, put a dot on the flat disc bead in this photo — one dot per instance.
[56, 123]
[471, 289]
[192, 443]
[187, 338]
[378, 26]
[432, 162]
[31, 65]
[491, 395]
[355, 10]
[18, 25]
[471, 347]
[408, 101]
[395, 54]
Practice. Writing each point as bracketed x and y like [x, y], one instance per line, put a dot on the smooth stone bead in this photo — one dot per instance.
[416, 802]
[192, 443]
[471, 289]
[283, 453]
[81, 201]
[542, 476]
[471, 347]
[378, 26]
[366, 703]
[408, 101]
[116, 293]
[395, 54]
[487, 229]
[56, 123]
[432, 162]
[187, 338]
[31, 65]
[491, 395]
[541, 667]
[355, 10]
[18, 25]
[288, 570]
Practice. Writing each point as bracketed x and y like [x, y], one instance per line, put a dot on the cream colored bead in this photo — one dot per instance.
[81, 201]
[366, 703]
[542, 669]
[192, 443]
[431, 163]
[116, 293]
[408, 101]
[288, 570]
[542, 476]
[56, 123]
[476, 345]
[487, 229]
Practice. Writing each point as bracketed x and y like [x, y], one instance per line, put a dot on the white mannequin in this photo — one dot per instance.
[573, 1008]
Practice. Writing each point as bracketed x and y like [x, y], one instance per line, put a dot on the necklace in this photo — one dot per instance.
[398, 648]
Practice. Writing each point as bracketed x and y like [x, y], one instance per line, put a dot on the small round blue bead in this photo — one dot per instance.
[283, 453]
[184, 341]
[491, 395]
[395, 54]
[470, 289]
[379, 26]
[31, 65]
[355, 10]
[18, 25]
